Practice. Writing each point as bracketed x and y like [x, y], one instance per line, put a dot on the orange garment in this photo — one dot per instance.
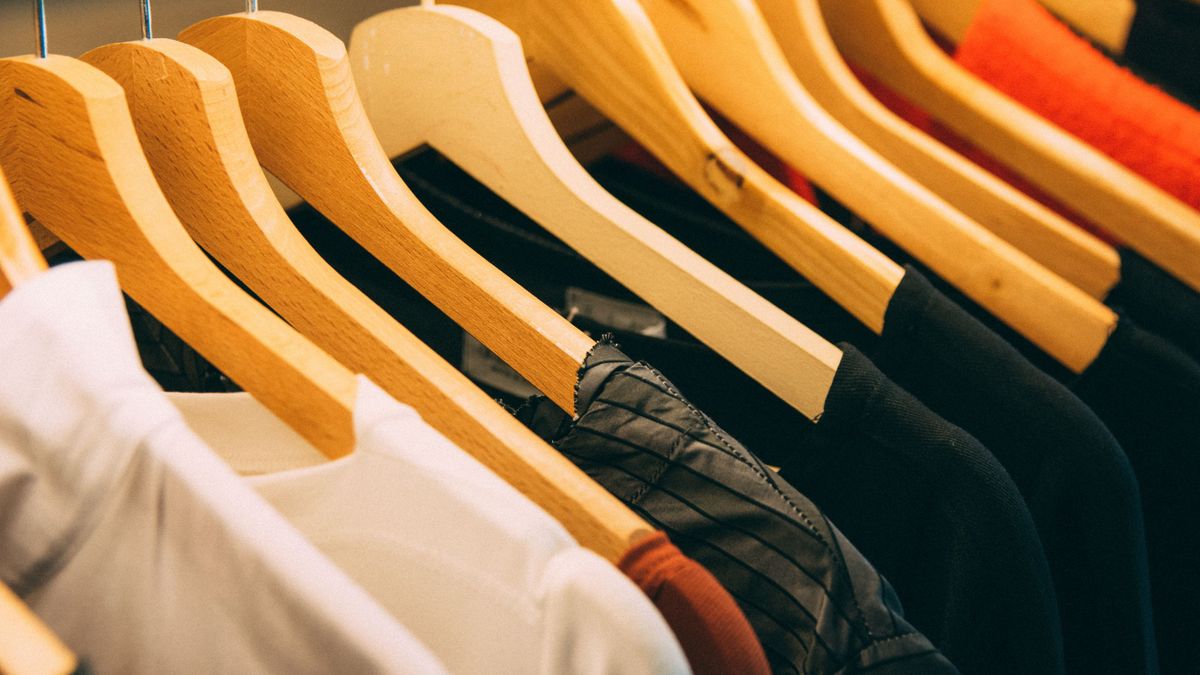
[1022, 50]
[715, 635]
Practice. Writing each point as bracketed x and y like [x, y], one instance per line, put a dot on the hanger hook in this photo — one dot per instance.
[147, 21]
[251, 6]
[39, 21]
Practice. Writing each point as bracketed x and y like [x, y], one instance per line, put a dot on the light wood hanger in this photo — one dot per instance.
[1107, 22]
[184, 105]
[727, 53]
[70, 150]
[308, 127]
[608, 52]
[28, 646]
[1067, 250]
[20, 258]
[886, 37]
[479, 108]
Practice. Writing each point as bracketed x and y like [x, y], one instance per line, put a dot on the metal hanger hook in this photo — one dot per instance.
[147, 21]
[251, 6]
[39, 21]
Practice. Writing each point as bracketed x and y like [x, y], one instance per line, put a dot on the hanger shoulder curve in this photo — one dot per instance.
[20, 257]
[184, 105]
[298, 99]
[726, 51]
[904, 57]
[608, 52]
[480, 109]
[75, 163]
[1065, 249]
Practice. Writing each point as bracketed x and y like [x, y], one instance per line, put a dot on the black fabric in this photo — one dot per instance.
[1151, 410]
[546, 267]
[1075, 477]
[1148, 392]
[1164, 43]
[817, 605]
[1158, 302]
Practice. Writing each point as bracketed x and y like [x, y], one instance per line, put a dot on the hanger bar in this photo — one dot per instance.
[886, 37]
[315, 112]
[479, 108]
[68, 144]
[184, 104]
[727, 53]
[28, 646]
[20, 258]
[1067, 250]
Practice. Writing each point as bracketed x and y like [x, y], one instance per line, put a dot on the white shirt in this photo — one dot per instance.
[138, 546]
[480, 574]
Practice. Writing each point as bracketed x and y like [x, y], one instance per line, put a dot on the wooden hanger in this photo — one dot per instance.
[308, 127]
[184, 105]
[28, 646]
[608, 52]
[1066, 250]
[727, 53]
[20, 258]
[886, 37]
[68, 144]
[478, 107]
[1107, 22]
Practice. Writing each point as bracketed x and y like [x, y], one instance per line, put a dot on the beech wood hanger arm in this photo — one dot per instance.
[27, 646]
[1067, 250]
[70, 150]
[20, 258]
[298, 99]
[608, 52]
[726, 51]
[479, 108]
[184, 105]
[886, 37]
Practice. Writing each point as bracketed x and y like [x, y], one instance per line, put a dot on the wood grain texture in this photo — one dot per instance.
[1067, 250]
[886, 38]
[28, 646]
[184, 104]
[478, 107]
[608, 52]
[729, 56]
[308, 127]
[20, 257]
[71, 152]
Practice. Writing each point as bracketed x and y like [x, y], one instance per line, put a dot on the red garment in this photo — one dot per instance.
[715, 635]
[1022, 50]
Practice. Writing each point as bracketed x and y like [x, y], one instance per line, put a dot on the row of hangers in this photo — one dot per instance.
[143, 152]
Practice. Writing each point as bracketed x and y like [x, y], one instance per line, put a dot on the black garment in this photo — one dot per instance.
[1164, 42]
[817, 605]
[1159, 302]
[1148, 392]
[1142, 387]
[548, 269]
[1072, 472]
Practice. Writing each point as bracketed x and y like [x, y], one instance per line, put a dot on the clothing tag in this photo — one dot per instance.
[614, 313]
[483, 366]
